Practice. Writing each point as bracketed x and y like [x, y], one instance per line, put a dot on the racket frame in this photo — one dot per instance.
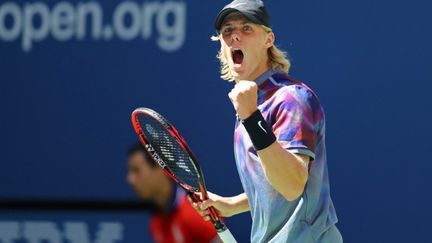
[216, 220]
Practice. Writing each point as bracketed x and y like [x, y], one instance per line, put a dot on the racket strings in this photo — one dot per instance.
[170, 151]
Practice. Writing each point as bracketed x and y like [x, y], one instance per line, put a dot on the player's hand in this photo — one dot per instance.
[222, 205]
[244, 97]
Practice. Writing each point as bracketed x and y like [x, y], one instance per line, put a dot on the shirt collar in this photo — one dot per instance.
[263, 77]
[176, 197]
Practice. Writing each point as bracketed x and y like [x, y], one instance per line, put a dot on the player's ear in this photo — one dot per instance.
[270, 39]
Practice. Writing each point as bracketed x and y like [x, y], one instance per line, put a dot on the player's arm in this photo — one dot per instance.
[285, 171]
[226, 206]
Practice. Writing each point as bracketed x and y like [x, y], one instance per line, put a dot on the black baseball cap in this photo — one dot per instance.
[253, 10]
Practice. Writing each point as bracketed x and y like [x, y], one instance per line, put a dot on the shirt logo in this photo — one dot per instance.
[261, 126]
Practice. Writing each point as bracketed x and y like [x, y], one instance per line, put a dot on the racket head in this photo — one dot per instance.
[169, 149]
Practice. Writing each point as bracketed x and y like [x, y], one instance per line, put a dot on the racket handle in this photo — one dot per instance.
[226, 236]
[223, 232]
[213, 214]
[194, 197]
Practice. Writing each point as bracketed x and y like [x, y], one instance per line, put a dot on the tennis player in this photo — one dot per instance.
[174, 220]
[279, 139]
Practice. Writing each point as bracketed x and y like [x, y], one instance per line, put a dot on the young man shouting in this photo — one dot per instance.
[279, 138]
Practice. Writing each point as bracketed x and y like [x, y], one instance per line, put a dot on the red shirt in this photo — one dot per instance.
[182, 225]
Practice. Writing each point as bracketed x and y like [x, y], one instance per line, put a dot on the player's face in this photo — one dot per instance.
[244, 45]
[143, 177]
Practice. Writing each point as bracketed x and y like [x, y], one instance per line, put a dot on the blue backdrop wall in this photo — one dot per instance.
[71, 72]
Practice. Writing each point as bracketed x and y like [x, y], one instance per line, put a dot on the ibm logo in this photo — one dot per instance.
[52, 232]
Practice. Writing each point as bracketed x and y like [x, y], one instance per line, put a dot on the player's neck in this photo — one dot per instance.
[254, 75]
[163, 195]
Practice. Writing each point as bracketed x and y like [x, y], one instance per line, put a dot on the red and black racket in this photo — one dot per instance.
[168, 148]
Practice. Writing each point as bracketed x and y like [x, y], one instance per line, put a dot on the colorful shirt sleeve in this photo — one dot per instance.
[293, 119]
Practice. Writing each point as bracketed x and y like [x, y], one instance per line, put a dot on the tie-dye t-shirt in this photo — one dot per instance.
[297, 119]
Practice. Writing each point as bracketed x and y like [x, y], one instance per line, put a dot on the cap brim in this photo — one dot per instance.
[225, 12]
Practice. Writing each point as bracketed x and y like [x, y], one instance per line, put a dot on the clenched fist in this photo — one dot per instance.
[244, 97]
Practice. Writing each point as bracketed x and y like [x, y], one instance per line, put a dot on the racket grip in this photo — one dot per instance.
[223, 232]
[213, 214]
[226, 236]
[194, 197]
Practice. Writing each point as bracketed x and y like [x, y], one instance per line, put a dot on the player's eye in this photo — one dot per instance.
[247, 28]
[226, 30]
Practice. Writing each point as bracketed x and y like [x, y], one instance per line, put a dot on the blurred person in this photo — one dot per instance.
[173, 220]
[279, 137]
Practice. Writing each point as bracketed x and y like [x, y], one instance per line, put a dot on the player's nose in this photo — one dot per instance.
[235, 36]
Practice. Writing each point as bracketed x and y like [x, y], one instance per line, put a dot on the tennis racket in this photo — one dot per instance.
[168, 148]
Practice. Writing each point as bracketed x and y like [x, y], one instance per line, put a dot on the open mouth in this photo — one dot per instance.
[237, 56]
